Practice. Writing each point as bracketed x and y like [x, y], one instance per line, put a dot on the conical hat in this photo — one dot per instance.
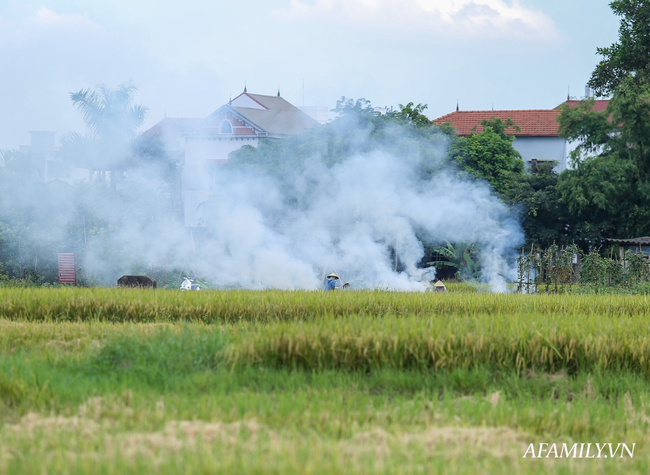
[439, 284]
[333, 275]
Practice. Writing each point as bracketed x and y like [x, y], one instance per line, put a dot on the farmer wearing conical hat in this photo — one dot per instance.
[331, 281]
[439, 286]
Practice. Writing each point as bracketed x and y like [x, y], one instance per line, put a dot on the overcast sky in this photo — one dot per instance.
[187, 57]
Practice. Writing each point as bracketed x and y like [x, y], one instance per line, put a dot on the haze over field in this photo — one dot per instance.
[366, 216]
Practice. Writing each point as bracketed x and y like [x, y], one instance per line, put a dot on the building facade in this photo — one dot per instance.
[203, 148]
[537, 138]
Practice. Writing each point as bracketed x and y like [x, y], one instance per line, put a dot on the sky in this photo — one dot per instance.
[188, 58]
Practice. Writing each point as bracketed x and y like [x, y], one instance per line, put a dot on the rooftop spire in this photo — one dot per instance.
[278, 91]
[457, 108]
[230, 101]
[245, 90]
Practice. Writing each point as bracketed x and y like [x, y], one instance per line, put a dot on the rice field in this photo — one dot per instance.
[135, 381]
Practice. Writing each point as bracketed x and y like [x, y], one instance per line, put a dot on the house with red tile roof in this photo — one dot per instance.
[204, 144]
[536, 136]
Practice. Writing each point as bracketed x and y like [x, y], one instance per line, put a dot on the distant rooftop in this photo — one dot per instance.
[272, 114]
[531, 122]
[169, 127]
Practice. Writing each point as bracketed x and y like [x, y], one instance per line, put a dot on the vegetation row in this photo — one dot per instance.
[372, 330]
[124, 305]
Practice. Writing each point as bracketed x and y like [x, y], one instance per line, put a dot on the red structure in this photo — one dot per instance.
[67, 269]
[531, 123]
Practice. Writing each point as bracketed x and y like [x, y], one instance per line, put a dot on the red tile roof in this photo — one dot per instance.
[532, 123]
[599, 105]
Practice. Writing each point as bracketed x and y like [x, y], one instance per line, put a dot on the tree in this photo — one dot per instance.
[31, 211]
[412, 114]
[608, 188]
[350, 106]
[112, 120]
[489, 155]
[545, 219]
[357, 129]
[631, 54]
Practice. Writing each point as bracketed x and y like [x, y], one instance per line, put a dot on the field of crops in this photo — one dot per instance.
[134, 381]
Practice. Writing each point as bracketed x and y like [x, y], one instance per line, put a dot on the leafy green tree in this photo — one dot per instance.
[544, 218]
[631, 54]
[412, 114]
[608, 188]
[489, 155]
[346, 106]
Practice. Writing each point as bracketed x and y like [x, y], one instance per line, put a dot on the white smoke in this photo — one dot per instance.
[363, 212]
[363, 218]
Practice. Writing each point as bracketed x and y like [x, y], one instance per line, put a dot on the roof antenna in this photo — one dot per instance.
[568, 93]
[278, 90]
[245, 90]
[457, 108]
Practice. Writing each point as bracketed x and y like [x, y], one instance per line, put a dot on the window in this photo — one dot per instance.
[537, 165]
[225, 127]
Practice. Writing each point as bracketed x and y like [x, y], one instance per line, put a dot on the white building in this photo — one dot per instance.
[204, 146]
[537, 139]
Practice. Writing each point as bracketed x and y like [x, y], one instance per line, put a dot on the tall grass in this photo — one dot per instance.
[369, 330]
[232, 306]
[540, 342]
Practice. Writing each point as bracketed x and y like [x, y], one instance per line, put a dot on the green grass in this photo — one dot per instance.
[293, 382]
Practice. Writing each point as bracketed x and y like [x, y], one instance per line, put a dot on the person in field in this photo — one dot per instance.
[331, 281]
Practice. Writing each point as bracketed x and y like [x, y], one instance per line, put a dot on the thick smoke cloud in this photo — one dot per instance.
[364, 217]
[274, 222]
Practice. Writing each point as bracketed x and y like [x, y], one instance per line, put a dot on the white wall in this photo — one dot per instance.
[542, 148]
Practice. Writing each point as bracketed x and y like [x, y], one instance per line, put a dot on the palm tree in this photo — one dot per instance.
[112, 121]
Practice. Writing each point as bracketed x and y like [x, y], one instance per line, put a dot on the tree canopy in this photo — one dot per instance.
[607, 189]
[608, 186]
[489, 155]
[630, 56]
[113, 143]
